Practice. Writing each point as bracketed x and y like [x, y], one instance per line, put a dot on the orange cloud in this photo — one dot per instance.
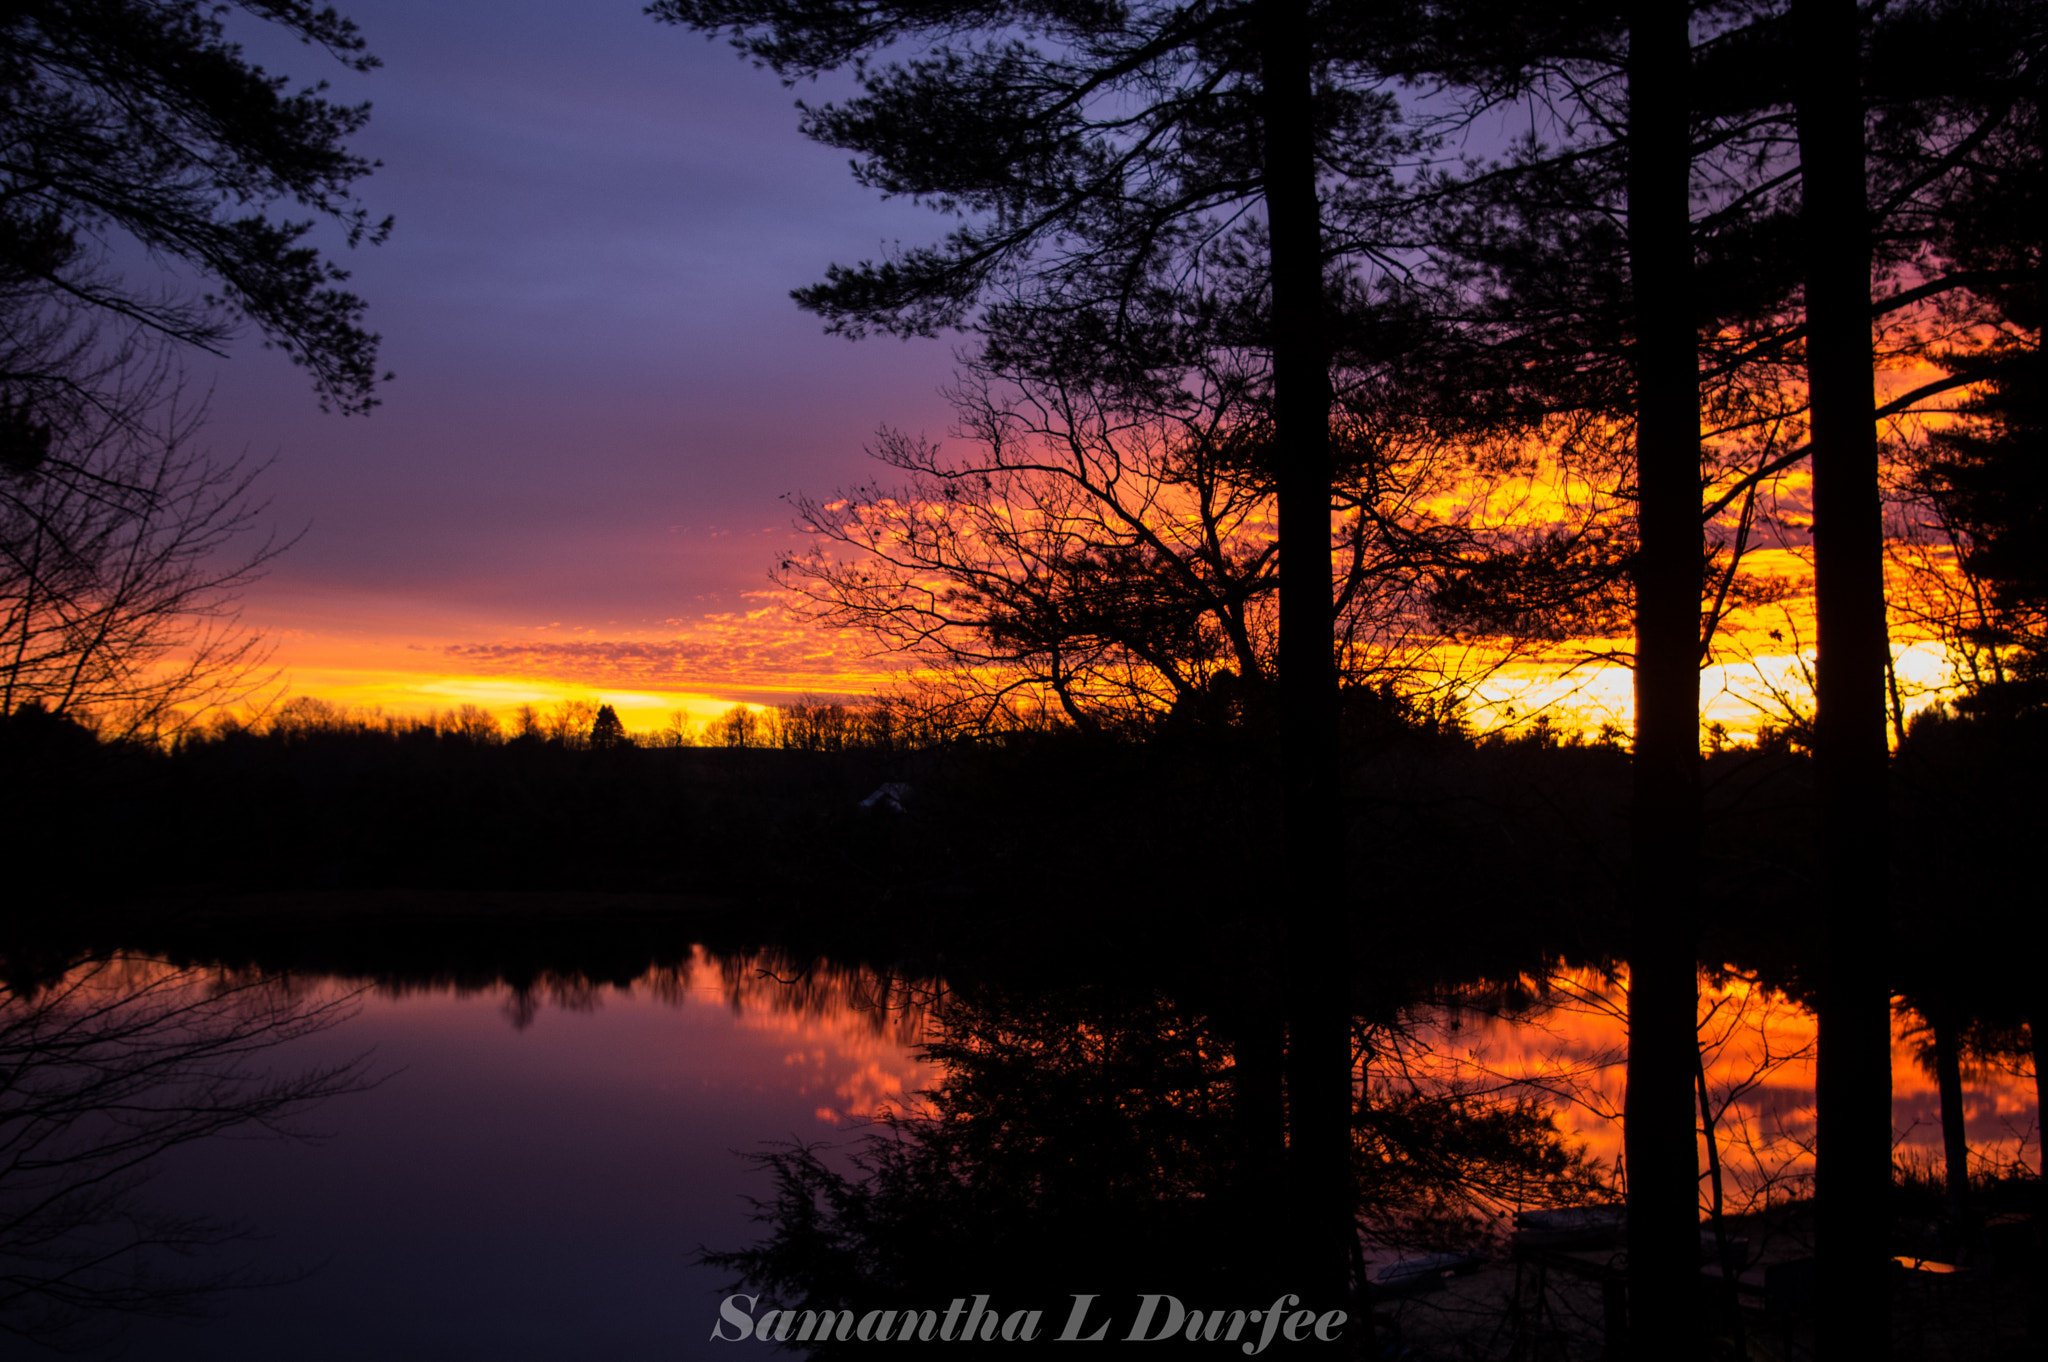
[772, 649]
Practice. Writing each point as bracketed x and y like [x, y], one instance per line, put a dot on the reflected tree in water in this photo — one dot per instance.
[1095, 1140]
[106, 1066]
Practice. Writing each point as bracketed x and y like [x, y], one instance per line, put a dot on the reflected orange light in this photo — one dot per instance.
[1759, 1050]
[845, 1035]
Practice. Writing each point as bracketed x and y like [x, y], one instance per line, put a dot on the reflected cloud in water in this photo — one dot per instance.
[528, 1166]
[1564, 1034]
[531, 1173]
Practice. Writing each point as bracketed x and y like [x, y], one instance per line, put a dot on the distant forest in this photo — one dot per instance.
[880, 814]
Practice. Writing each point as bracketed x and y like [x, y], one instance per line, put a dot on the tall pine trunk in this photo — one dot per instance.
[1945, 1020]
[2037, 1035]
[1660, 1144]
[1312, 880]
[2037, 998]
[1853, 1187]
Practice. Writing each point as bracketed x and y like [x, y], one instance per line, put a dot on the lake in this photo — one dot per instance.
[529, 1172]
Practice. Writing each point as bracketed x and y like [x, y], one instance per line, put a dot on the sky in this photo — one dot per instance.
[574, 483]
[574, 486]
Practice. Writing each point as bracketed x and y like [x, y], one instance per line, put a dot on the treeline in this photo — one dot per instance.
[883, 723]
[313, 796]
[310, 794]
[1011, 829]
[1523, 834]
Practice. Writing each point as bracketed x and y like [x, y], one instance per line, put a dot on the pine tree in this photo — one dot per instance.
[606, 731]
[1121, 171]
[141, 120]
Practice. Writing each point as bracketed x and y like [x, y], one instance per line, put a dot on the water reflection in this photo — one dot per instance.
[551, 1146]
[107, 1067]
[846, 1031]
[1113, 1139]
[1564, 1033]
[544, 1154]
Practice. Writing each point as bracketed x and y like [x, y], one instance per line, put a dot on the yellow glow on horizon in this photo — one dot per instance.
[369, 655]
[356, 653]
[1759, 674]
[1747, 691]
[417, 693]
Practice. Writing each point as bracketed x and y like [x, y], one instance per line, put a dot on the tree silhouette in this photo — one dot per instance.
[1115, 558]
[1587, 272]
[738, 727]
[120, 576]
[142, 120]
[570, 722]
[1903, 118]
[1917, 112]
[1134, 184]
[113, 1062]
[1098, 1134]
[1118, 172]
[1666, 806]
[606, 731]
[134, 127]
[1988, 479]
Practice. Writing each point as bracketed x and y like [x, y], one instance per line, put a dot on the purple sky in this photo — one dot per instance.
[602, 386]
[603, 389]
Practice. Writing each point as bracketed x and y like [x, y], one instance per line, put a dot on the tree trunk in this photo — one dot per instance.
[1663, 1054]
[1259, 1095]
[1311, 871]
[1853, 1186]
[2037, 1033]
[1955, 1144]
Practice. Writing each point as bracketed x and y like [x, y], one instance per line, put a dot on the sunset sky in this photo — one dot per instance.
[574, 484]
[603, 389]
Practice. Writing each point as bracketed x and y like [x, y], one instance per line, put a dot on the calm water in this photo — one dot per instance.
[1570, 1046]
[532, 1172]
[529, 1173]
